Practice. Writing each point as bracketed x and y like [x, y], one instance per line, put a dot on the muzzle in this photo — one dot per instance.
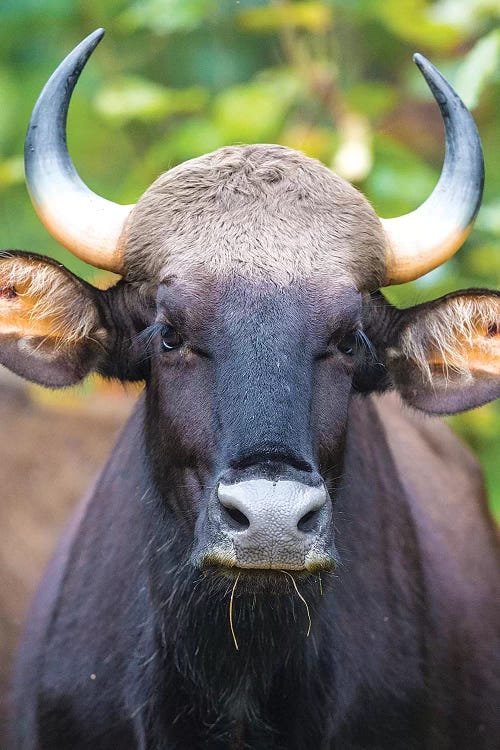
[269, 524]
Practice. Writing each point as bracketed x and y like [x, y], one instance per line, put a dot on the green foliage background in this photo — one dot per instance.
[176, 78]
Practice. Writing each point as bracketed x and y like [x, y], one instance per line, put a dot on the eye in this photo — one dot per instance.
[170, 338]
[349, 344]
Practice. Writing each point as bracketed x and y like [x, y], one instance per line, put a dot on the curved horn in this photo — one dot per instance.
[425, 238]
[86, 224]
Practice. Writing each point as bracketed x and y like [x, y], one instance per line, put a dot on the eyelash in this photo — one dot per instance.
[147, 336]
[363, 342]
[164, 331]
[360, 341]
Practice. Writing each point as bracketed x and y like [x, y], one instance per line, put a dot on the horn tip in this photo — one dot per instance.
[421, 61]
[95, 36]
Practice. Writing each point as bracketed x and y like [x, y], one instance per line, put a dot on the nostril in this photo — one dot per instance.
[308, 522]
[235, 518]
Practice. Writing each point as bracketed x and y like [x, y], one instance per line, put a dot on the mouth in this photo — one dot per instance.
[267, 580]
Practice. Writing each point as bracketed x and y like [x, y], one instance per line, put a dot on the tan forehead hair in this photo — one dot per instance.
[260, 211]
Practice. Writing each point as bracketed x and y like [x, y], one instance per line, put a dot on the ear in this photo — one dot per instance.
[446, 357]
[51, 329]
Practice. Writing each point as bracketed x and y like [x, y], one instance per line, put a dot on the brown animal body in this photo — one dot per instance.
[276, 555]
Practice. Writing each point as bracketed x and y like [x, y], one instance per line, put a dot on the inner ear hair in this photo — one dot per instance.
[39, 298]
[457, 334]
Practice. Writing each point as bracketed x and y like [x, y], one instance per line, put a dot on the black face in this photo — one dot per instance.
[248, 399]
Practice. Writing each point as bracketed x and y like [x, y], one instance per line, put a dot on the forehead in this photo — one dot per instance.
[262, 213]
[204, 304]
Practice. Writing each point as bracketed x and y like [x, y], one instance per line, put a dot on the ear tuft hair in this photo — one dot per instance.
[40, 299]
[452, 333]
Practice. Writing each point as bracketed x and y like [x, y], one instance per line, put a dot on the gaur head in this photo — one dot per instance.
[249, 304]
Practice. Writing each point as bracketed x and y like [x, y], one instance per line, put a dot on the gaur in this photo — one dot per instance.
[283, 552]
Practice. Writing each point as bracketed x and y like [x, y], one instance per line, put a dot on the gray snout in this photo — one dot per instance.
[274, 524]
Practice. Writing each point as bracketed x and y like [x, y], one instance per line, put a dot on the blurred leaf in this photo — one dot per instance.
[399, 181]
[166, 16]
[194, 138]
[412, 21]
[186, 140]
[374, 99]
[354, 157]
[134, 98]
[313, 141]
[477, 68]
[20, 8]
[482, 422]
[489, 218]
[484, 261]
[312, 16]
[466, 16]
[11, 171]
[9, 103]
[252, 111]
